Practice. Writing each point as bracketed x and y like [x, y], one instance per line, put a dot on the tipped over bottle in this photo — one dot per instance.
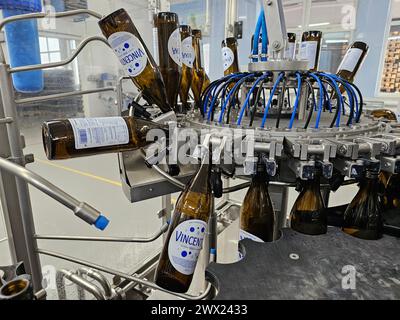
[170, 55]
[187, 65]
[200, 79]
[136, 59]
[72, 138]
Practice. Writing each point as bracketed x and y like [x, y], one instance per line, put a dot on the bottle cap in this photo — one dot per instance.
[101, 223]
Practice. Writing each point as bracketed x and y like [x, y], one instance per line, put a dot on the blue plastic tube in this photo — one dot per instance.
[240, 82]
[296, 104]
[277, 82]
[321, 99]
[243, 109]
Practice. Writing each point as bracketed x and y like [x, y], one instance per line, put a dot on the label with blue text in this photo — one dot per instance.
[99, 132]
[228, 57]
[185, 245]
[174, 47]
[129, 51]
[188, 52]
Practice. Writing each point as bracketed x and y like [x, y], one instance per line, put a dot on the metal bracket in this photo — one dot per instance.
[7, 120]
[390, 164]
[276, 25]
[305, 170]
[351, 169]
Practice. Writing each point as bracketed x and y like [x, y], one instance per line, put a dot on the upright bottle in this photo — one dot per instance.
[72, 138]
[290, 47]
[308, 215]
[230, 58]
[257, 217]
[363, 217]
[186, 233]
[199, 75]
[170, 53]
[187, 64]
[353, 60]
[310, 48]
[137, 60]
[392, 198]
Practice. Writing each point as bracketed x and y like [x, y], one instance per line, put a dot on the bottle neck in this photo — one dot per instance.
[261, 175]
[371, 180]
[314, 185]
[201, 182]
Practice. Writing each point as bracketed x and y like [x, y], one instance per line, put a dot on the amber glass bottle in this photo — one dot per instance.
[311, 48]
[133, 54]
[186, 233]
[72, 138]
[353, 60]
[230, 58]
[170, 53]
[363, 217]
[291, 47]
[257, 216]
[187, 64]
[308, 215]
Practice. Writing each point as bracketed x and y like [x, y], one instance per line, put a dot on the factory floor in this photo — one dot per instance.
[95, 180]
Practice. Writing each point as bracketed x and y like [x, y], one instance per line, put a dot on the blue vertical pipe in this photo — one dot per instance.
[22, 39]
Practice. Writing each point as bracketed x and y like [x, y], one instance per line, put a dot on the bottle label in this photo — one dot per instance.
[351, 59]
[174, 47]
[129, 51]
[188, 52]
[228, 57]
[99, 132]
[246, 235]
[308, 51]
[185, 245]
[290, 50]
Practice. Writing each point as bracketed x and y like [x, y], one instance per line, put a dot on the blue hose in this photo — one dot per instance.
[264, 37]
[221, 117]
[332, 79]
[270, 99]
[257, 35]
[321, 100]
[215, 96]
[296, 104]
[246, 103]
[352, 96]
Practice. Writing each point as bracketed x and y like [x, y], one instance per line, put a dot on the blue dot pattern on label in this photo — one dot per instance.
[228, 57]
[175, 47]
[188, 52]
[185, 245]
[129, 51]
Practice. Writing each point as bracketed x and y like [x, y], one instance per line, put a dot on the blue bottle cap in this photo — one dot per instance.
[101, 223]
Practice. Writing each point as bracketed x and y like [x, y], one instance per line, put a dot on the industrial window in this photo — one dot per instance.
[49, 49]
